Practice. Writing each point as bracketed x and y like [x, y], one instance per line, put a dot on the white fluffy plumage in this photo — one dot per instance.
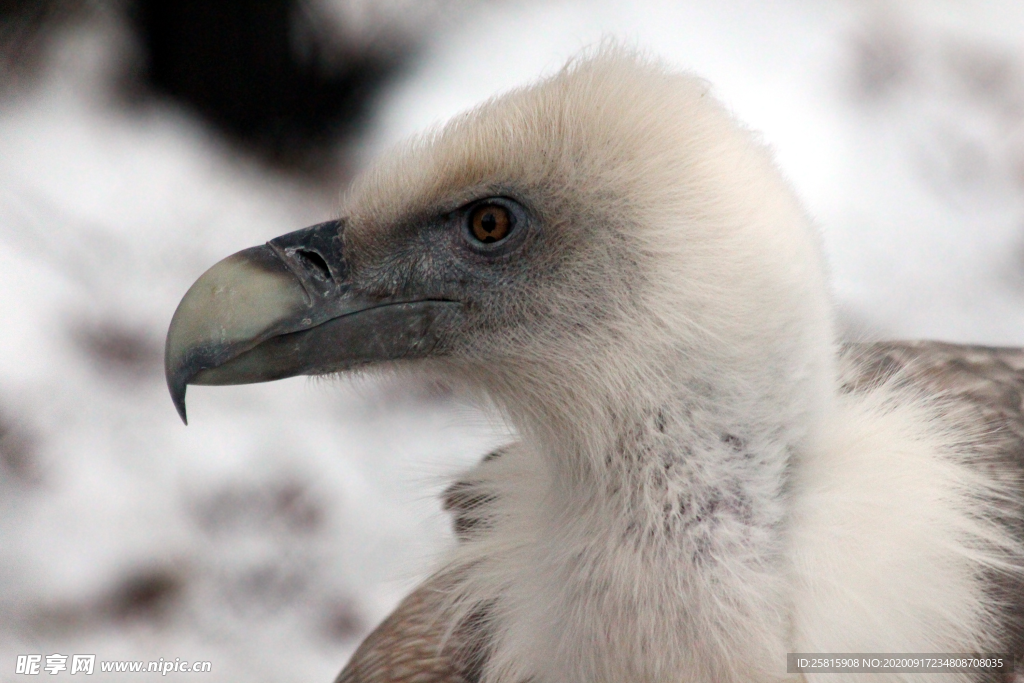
[694, 494]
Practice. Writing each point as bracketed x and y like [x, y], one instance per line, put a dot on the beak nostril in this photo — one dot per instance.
[315, 263]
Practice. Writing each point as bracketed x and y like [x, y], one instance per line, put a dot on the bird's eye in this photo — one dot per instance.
[489, 223]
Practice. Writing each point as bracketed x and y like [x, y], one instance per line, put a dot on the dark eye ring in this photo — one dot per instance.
[490, 222]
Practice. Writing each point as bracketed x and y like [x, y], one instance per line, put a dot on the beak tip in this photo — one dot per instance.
[179, 405]
[177, 389]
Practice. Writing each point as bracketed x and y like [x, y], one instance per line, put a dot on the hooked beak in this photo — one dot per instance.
[287, 308]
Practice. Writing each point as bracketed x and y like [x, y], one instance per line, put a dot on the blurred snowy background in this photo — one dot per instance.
[141, 141]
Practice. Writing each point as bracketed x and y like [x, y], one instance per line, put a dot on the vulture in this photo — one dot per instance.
[705, 481]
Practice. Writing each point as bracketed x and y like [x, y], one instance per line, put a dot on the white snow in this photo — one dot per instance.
[289, 517]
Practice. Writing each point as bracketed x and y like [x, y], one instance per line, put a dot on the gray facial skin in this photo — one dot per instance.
[288, 308]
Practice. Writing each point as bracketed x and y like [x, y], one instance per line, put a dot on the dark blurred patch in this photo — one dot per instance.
[272, 75]
[293, 504]
[344, 621]
[960, 102]
[141, 595]
[18, 459]
[882, 59]
[265, 72]
[991, 76]
[268, 586]
[25, 32]
[265, 546]
[118, 349]
[147, 595]
[277, 506]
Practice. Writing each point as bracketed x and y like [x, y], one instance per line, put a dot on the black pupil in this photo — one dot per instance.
[489, 224]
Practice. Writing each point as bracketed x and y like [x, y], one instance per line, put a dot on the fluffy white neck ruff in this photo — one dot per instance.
[679, 540]
[638, 536]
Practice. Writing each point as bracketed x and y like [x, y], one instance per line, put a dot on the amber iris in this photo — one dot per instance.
[490, 223]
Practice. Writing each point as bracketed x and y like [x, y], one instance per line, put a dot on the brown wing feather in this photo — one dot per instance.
[987, 380]
[416, 644]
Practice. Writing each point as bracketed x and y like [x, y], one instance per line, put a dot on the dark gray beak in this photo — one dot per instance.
[287, 308]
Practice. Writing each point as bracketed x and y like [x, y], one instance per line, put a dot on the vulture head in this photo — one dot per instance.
[608, 236]
[619, 266]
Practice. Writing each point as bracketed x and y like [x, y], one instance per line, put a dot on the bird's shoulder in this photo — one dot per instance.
[981, 388]
[984, 384]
